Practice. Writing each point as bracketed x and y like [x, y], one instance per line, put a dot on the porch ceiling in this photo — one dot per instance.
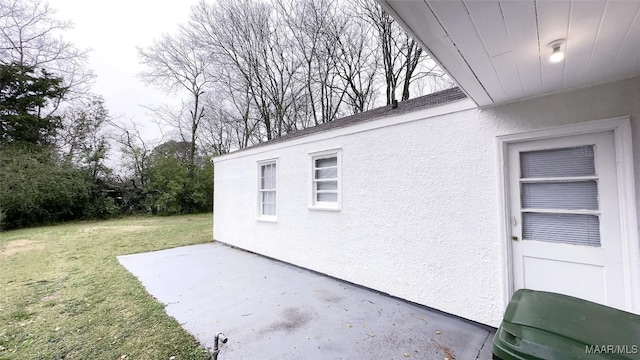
[497, 50]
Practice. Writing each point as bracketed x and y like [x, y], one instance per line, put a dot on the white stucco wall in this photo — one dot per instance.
[420, 212]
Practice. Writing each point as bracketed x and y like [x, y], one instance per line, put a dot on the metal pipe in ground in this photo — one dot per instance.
[216, 350]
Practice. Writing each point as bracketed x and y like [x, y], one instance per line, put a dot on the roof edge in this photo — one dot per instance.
[391, 119]
[423, 102]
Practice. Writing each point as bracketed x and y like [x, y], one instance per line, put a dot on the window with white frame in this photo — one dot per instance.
[326, 180]
[267, 189]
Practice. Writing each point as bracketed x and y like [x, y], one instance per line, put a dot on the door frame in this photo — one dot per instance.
[621, 127]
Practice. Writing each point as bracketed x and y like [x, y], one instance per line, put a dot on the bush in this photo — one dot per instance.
[35, 189]
[174, 188]
[102, 207]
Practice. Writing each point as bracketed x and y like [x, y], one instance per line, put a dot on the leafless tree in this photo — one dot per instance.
[136, 152]
[358, 62]
[217, 129]
[30, 35]
[265, 68]
[248, 42]
[177, 63]
[85, 139]
[314, 26]
[402, 58]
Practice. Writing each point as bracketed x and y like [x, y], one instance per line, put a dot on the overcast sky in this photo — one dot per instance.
[113, 29]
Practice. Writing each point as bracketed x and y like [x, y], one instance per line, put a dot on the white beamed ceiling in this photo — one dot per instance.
[497, 50]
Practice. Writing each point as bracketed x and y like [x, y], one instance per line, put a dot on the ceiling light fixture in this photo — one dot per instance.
[557, 54]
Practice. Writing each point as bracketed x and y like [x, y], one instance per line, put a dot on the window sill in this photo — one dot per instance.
[267, 219]
[335, 208]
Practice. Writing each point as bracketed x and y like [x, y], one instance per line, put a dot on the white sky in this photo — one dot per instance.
[113, 29]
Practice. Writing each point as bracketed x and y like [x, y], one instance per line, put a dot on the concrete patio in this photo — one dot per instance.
[272, 310]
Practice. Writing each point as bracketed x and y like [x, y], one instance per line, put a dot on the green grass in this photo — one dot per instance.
[63, 294]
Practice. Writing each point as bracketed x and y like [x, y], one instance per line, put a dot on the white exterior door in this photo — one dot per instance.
[565, 218]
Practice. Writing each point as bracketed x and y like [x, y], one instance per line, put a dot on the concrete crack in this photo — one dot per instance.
[483, 344]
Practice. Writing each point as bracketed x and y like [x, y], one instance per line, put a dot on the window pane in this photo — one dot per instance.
[263, 177]
[560, 195]
[575, 161]
[327, 185]
[326, 162]
[270, 197]
[562, 228]
[268, 207]
[328, 197]
[268, 176]
[329, 173]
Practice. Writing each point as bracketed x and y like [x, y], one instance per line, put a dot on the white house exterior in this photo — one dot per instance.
[455, 206]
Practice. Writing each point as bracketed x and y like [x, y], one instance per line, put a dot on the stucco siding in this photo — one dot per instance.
[420, 207]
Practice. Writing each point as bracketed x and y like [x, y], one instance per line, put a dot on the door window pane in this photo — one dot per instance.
[571, 195]
[563, 228]
[574, 161]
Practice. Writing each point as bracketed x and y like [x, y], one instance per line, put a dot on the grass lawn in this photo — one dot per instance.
[63, 294]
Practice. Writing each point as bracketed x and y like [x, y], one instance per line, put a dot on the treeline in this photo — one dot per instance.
[254, 70]
[55, 137]
[247, 71]
[52, 167]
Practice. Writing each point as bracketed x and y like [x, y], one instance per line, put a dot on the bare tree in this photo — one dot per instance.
[135, 151]
[358, 62]
[31, 35]
[176, 63]
[85, 141]
[241, 113]
[314, 26]
[265, 68]
[246, 39]
[402, 57]
[217, 129]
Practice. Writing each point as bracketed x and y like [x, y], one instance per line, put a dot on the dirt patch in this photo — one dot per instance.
[51, 297]
[20, 246]
[124, 228]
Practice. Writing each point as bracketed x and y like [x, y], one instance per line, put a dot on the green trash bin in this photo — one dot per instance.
[544, 325]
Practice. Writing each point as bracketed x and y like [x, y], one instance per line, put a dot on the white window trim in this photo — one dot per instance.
[320, 205]
[259, 216]
[621, 127]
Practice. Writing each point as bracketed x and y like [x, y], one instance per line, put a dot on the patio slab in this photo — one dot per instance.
[272, 310]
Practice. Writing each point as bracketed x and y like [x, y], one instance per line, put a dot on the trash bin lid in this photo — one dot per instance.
[576, 319]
